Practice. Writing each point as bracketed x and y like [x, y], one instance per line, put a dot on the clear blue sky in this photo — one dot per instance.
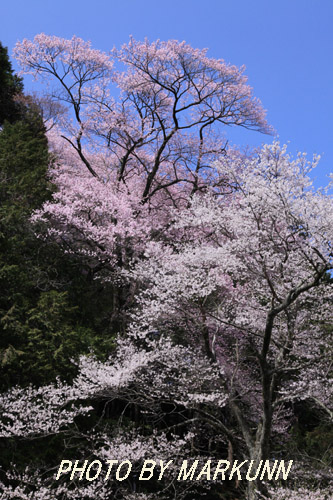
[286, 46]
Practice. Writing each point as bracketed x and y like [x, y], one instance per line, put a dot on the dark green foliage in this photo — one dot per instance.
[51, 308]
[10, 86]
[48, 302]
[24, 162]
[47, 338]
[311, 435]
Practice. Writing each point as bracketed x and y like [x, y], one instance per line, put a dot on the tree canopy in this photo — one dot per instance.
[168, 296]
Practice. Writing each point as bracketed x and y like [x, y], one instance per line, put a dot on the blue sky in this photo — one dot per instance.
[286, 46]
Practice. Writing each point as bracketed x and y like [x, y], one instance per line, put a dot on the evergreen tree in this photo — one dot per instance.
[42, 293]
[10, 86]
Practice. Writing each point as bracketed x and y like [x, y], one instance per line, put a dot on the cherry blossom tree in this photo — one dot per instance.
[162, 125]
[248, 281]
[183, 379]
[225, 261]
[127, 154]
[230, 329]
